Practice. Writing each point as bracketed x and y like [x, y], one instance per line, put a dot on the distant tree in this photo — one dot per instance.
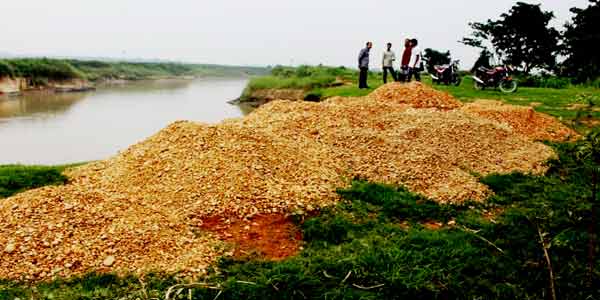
[520, 37]
[483, 61]
[581, 43]
[434, 57]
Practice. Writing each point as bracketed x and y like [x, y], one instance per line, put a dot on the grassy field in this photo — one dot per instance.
[552, 101]
[40, 70]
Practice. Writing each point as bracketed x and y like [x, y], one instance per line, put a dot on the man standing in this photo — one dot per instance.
[415, 61]
[363, 65]
[404, 63]
[388, 63]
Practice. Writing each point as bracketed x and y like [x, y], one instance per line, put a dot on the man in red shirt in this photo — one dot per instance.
[406, 55]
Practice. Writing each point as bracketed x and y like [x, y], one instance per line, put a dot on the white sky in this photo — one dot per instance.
[242, 32]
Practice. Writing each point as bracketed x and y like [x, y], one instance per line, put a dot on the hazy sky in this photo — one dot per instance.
[241, 32]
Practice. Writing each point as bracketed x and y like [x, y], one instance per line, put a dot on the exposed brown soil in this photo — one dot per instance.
[433, 225]
[270, 236]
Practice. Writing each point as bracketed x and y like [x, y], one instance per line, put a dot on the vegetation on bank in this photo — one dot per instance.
[318, 82]
[17, 178]
[40, 70]
[534, 239]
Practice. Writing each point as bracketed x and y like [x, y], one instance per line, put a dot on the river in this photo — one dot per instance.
[47, 128]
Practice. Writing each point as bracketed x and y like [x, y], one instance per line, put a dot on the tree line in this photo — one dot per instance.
[524, 39]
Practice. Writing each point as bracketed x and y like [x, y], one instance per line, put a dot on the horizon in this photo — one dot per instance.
[258, 34]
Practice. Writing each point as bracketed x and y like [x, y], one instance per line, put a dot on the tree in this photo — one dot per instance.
[581, 43]
[520, 37]
[434, 57]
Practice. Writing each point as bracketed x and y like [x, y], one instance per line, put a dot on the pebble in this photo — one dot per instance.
[109, 261]
[10, 247]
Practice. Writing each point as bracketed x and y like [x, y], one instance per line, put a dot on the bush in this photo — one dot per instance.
[551, 82]
[6, 69]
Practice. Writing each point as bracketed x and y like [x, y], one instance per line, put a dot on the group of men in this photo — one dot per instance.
[410, 65]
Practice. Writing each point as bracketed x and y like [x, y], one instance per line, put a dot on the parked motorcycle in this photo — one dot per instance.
[497, 77]
[446, 74]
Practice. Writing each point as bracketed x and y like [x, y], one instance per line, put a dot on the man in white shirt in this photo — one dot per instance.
[415, 61]
[388, 63]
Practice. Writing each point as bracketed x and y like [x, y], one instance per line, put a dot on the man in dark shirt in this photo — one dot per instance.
[363, 66]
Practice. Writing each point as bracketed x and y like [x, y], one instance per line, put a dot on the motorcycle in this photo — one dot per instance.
[497, 77]
[447, 74]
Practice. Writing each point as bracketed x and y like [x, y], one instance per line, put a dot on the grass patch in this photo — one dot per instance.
[553, 101]
[18, 178]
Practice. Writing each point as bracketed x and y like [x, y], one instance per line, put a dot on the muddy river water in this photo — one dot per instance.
[46, 128]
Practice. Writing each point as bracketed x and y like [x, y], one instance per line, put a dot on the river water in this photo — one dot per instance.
[46, 128]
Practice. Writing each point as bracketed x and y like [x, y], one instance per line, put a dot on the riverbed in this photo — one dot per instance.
[48, 128]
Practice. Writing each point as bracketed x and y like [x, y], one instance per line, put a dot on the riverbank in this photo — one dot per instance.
[29, 74]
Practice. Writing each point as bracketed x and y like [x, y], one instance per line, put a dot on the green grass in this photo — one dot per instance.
[321, 82]
[360, 249]
[18, 178]
[553, 101]
[273, 82]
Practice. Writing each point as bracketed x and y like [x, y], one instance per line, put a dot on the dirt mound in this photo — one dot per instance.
[522, 119]
[416, 95]
[144, 209]
[430, 151]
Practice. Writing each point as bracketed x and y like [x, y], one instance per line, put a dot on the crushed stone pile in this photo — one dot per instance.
[416, 95]
[143, 209]
[522, 119]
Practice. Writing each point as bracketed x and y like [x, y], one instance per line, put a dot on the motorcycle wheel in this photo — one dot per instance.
[478, 86]
[457, 81]
[508, 86]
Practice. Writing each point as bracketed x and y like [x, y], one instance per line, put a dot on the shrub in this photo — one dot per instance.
[6, 69]
[551, 82]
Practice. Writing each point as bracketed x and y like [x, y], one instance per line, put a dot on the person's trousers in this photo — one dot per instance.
[362, 78]
[403, 73]
[416, 72]
[391, 70]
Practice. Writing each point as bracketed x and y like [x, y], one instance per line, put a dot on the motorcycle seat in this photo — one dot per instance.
[486, 70]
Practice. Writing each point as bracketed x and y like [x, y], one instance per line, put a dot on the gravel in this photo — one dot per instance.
[145, 205]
